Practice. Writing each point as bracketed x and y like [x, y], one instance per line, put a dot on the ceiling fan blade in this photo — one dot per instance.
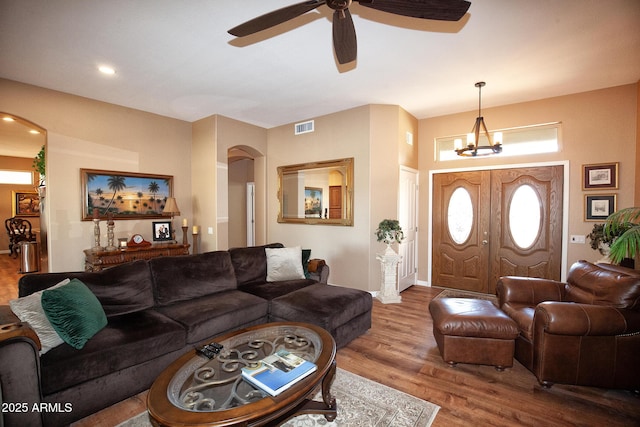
[344, 36]
[274, 18]
[441, 10]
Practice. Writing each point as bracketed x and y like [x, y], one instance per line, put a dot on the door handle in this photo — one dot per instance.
[484, 242]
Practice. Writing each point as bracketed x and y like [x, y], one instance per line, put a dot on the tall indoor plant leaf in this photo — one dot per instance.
[627, 244]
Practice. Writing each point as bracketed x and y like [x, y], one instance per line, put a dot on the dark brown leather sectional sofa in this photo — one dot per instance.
[157, 310]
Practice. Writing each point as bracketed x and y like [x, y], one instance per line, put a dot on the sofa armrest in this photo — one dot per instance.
[528, 290]
[567, 318]
[19, 370]
[318, 270]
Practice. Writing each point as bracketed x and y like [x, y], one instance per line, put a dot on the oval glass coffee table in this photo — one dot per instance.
[196, 390]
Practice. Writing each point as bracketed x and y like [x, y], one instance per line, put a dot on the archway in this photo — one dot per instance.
[246, 196]
[20, 142]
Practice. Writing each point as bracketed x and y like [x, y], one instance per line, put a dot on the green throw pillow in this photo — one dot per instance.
[74, 312]
[306, 254]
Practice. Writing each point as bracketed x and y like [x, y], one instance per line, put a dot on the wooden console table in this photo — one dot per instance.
[96, 261]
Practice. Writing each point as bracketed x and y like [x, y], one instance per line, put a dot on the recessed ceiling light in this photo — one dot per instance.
[8, 119]
[104, 69]
[33, 131]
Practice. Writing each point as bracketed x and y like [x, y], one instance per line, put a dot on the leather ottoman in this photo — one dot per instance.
[473, 331]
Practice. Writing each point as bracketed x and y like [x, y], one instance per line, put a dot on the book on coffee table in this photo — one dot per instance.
[277, 372]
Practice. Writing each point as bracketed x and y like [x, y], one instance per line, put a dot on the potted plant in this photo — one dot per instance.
[598, 240]
[623, 228]
[39, 166]
[389, 231]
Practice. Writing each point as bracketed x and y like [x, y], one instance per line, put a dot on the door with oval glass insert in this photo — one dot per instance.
[461, 226]
[488, 224]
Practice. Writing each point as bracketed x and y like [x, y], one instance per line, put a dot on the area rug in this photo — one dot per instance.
[458, 293]
[361, 403]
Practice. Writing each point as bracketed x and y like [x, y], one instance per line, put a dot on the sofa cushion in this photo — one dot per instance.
[270, 291]
[590, 284]
[181, 278]
[126, 341]
[212, 315]
[284, 264]
[121, 289]
[74, 312]
[250, 264]
[324, 305]
[29, 310]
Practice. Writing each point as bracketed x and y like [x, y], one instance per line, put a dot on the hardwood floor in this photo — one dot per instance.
[9, 276]
[400, 352]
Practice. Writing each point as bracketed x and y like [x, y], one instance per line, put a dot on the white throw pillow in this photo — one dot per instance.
[284, 264]
[29, 310]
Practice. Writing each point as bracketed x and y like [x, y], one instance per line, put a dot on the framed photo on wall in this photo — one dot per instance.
[123, 195]
[312, 202]
[599, 176]
[162, 231]
[599, 207]
[25, 203]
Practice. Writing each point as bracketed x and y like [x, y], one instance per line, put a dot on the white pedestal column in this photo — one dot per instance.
[389, 292]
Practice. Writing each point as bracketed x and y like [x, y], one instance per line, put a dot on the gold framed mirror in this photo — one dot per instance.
[316, 193]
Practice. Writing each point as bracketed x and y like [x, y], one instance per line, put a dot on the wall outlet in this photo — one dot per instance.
[576, 238]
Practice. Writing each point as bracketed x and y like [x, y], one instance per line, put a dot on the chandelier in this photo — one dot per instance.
[473, 148]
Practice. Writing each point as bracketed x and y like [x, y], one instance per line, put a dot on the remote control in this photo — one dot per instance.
[210, 350]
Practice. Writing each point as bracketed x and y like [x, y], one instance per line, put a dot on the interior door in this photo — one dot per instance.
[407, 216]
[488, 224]
[335, 202]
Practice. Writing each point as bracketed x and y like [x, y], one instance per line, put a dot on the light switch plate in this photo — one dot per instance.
[577, 238]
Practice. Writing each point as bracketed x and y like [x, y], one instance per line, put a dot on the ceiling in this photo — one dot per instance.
[175, 58]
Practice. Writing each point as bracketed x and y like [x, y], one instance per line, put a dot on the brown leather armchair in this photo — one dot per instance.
[583, 332]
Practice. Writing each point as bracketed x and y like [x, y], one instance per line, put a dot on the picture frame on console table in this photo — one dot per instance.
[599, 207]
[123, 195]
[162, 231]
[600, 176]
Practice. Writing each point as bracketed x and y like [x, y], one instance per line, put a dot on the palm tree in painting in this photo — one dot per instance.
[98, 193]
[139, 194]
[153, 189]
[116, 183]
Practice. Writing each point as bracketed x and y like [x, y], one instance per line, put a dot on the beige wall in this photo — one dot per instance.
[83, 133]
[637, 176]
[374, 135]
[213, 137]
[597, 127]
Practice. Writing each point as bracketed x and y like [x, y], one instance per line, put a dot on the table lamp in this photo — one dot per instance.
[171, 209]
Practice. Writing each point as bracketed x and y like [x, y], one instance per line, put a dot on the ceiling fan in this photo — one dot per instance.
[344, 33]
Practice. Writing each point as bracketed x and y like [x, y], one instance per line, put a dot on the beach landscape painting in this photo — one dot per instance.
[123, 195]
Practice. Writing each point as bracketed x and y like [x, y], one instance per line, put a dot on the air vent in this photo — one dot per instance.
[304, 127]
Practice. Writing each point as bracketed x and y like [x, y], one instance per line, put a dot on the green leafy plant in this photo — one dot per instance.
[623, 227]
[39, 164]
[389, 231]
[599, 240]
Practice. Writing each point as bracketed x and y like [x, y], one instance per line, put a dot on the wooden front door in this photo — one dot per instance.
[488, 224]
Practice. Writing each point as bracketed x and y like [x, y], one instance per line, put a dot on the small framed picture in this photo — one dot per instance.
[25, 203]
[598, 176]
[312, 202]
[162, 231]
[599, 207]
